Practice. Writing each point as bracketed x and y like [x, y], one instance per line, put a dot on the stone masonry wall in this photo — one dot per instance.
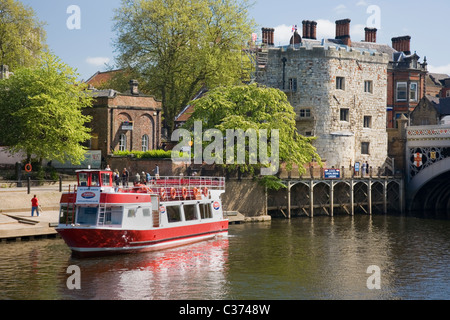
[316, 70]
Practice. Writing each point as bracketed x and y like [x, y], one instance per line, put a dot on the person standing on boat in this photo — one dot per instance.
[156, 171]
[35, 206]
[125, 177]
[117, 177]
[137, 179]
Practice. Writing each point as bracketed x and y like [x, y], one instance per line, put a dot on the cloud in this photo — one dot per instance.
[340, 9]
[283, 34]
[357, 32]
[439, 69]
[326, 29]
[362, 3]
[98, 61]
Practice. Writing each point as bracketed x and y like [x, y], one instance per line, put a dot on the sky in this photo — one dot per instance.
[80, 32]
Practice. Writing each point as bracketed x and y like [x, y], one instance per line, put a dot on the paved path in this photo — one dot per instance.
[15, 212]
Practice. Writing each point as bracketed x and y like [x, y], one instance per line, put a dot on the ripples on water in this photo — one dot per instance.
[320, 258]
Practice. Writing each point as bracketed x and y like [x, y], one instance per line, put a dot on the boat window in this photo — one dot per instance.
[146, 212]
[94, 180]
[131, 213]
[205, 210]
[66, 213]
[82, 179]
[189, 212]
[173, 213]
[87, 215]
[106, 179]
[113, 215]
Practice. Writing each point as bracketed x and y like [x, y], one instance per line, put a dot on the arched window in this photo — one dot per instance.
[145, 142]
[122, 142]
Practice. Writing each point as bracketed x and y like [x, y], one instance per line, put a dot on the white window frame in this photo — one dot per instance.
[368, 86]
[405, 85]
[415, 91]
[145, 142]
[122, 142]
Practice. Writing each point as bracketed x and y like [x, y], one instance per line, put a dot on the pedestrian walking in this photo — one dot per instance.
[364, 168]
[34, 206]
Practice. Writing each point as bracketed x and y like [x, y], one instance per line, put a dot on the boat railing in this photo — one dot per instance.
[212, 183]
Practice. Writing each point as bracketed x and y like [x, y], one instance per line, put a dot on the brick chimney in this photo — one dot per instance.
[371, 34]
[134, 87]
[267, 36]
[309, 29]
[4, 72]
[402, 44]
[343, 31]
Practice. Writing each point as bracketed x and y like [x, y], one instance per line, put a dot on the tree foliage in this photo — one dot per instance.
[180, 46]
[22, 36]
[259, 108]
[41, 110]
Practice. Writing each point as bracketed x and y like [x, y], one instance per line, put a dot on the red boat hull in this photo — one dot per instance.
[86, 242]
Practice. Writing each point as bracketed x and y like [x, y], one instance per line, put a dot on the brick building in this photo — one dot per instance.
[124, 121]
[438, 85]
[406, 81]
[338, 89]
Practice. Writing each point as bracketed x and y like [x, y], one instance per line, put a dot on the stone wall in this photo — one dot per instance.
[339, 142]
[245, 196]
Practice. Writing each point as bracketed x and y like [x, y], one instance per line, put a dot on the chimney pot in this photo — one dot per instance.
[343, 31]
[402, 44]
[371, 35]
[134, 87]
[268, 36]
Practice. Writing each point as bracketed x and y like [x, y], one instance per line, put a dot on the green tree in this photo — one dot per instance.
[254, 107]
[41, 110]
[22, 36]
[180, 46]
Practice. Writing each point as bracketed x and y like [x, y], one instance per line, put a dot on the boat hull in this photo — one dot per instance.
[88, 242]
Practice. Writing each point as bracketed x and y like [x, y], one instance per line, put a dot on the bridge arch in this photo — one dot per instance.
[428, 190]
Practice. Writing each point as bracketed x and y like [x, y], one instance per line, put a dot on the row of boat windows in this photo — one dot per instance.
[113, 215]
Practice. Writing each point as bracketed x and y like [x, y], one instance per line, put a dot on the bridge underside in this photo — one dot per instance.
[433, 198]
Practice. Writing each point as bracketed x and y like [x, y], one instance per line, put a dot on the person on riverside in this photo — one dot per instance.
[35, 206]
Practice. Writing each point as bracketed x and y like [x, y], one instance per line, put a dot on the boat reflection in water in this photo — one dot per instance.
[170, 274]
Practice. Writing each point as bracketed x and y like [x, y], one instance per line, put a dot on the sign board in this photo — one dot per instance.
[332, 173]
[356, 166]
[87, 195]
[127, 125]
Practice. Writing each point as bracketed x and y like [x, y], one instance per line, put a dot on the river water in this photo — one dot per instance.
[301, 259]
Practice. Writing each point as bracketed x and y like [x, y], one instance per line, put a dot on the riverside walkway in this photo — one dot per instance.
[16, 222]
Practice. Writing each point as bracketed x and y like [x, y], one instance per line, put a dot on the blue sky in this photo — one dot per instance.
[88, 48]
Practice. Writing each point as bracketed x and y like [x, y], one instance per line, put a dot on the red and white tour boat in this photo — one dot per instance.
[97, 218]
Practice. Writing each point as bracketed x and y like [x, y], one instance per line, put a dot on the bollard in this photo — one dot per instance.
[60, 183]
[29, 184]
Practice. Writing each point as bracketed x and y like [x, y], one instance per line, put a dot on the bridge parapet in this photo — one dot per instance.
[426, 146]
[427, 161]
